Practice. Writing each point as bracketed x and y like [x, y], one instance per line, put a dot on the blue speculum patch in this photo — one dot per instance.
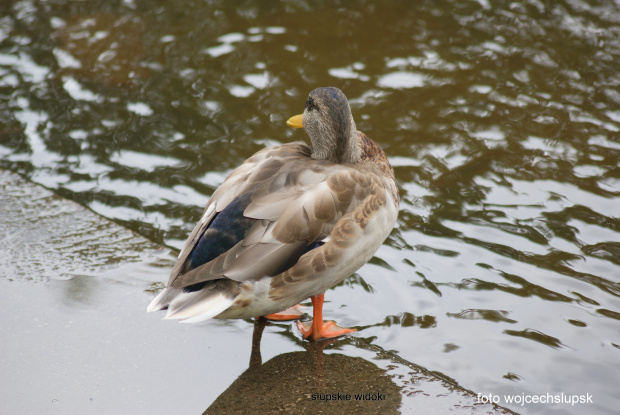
[225, 231]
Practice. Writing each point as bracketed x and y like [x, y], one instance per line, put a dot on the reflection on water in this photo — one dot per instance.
[300, 382]
[502, 121]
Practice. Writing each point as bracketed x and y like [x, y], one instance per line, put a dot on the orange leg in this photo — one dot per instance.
[291, 313]
[319, 329]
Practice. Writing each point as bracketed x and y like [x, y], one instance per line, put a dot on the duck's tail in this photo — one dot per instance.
[192, 307]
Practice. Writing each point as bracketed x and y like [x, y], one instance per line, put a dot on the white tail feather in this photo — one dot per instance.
[197, 306]
[157, 304]
[219, 305]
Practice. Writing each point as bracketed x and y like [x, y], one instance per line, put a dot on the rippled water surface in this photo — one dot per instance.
[502, 121]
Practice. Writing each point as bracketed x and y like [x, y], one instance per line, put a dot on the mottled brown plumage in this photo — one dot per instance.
[299, 220]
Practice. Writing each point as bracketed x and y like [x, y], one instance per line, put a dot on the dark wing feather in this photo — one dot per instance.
[230, 243]
[227, 228]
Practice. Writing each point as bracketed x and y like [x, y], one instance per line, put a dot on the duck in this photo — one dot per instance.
[288, 224]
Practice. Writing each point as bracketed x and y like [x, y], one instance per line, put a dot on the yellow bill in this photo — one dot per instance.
[296, 121]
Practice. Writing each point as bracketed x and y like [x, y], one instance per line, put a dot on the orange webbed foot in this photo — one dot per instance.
[318, 328]
[322, 330]
[291, 313]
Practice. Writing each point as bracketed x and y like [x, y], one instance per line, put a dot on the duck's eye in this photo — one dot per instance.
[310, 105]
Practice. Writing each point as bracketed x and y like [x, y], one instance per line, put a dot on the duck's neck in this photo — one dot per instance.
[341, 146]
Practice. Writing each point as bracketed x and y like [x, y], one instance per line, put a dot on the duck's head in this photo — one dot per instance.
[328, 122]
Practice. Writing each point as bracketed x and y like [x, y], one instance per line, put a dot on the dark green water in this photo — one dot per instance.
[502, 121]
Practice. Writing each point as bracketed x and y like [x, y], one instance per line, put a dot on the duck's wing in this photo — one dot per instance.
[270, 211]
[265, 230]
[232, 196]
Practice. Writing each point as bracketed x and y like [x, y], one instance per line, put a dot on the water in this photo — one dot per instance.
[501, 120]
